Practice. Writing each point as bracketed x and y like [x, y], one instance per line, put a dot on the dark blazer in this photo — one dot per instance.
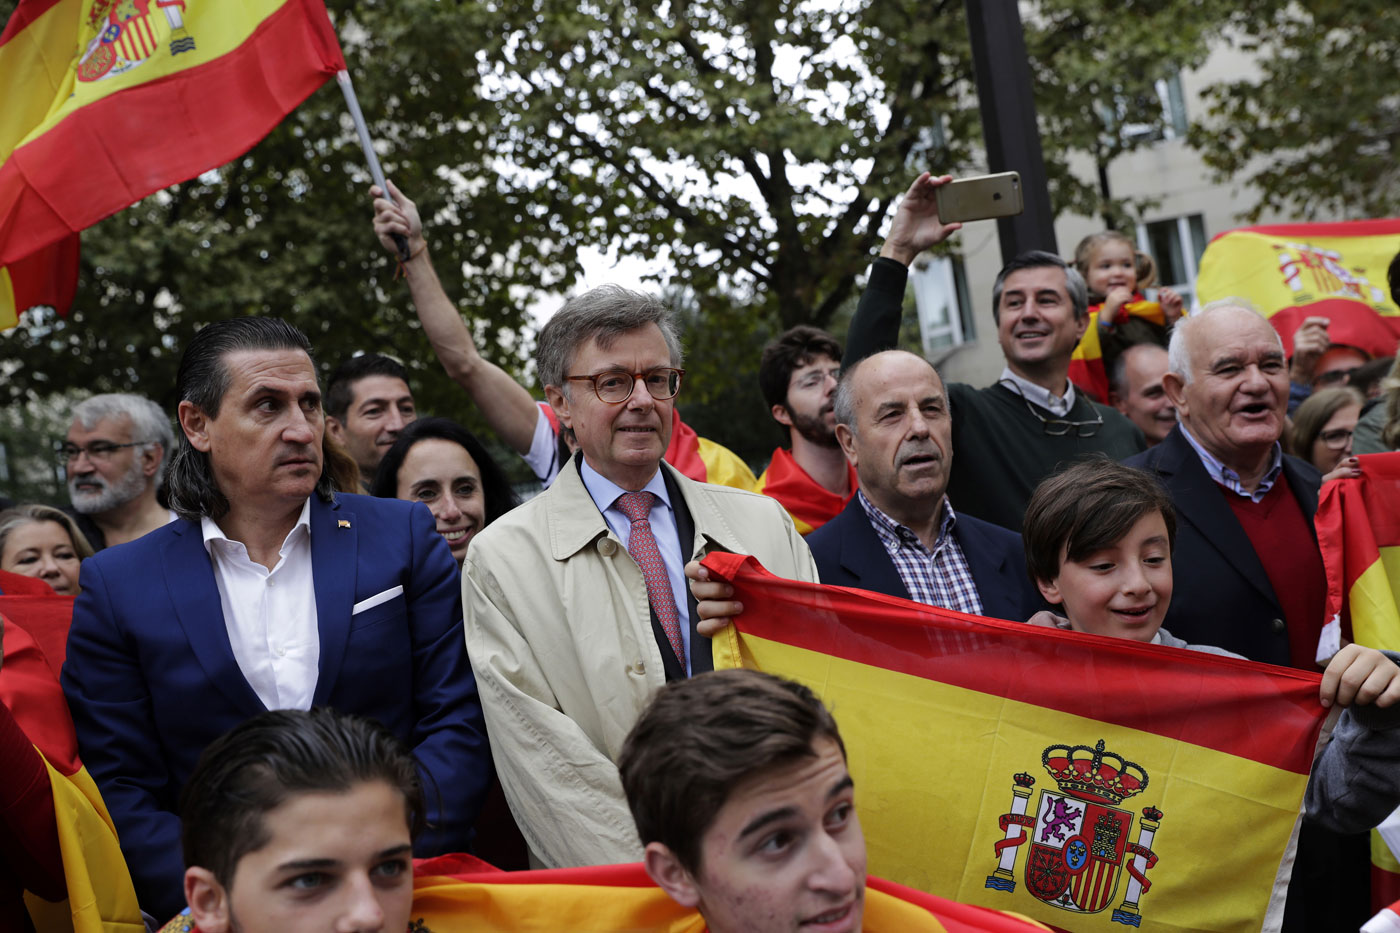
[1221, 594]
[848, 553]
[151, 678]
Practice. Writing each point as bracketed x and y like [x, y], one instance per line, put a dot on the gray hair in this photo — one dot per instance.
[1039, 259]
[149, 425]
[604, 313]
[1179, 352]
[202, 379]
[21, 515]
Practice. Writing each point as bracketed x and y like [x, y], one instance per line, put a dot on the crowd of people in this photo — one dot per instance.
[276, 654]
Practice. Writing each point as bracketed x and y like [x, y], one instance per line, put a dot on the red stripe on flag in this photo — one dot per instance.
[47, 277]
[206, 116]
[27, 12]
[1243, 708]
[1314, 231]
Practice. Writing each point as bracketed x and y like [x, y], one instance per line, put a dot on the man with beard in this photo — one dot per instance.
[798, 374]
[900, 535]
[114, 455]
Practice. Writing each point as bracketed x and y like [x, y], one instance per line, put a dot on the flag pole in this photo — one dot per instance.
[342, 78]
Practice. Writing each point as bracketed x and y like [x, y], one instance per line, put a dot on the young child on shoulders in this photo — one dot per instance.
[1099, 538]
[1116, 273]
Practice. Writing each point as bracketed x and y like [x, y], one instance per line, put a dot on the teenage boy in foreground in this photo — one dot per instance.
[1099, 539]
[738, 783]
[301, 821]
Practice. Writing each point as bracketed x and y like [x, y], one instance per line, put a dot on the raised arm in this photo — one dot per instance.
[506, 404]
[915, 227]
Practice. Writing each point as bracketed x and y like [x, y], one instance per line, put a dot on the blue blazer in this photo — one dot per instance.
[848, 553]
[1221, 595]
[151, 678]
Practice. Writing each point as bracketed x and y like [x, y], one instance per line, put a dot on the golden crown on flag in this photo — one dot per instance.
[1093, 773]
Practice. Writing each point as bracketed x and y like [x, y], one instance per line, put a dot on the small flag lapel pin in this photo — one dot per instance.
[342, 523]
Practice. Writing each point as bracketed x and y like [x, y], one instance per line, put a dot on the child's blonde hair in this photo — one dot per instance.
[1084, 253]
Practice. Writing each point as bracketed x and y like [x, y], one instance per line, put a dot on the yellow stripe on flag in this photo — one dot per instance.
[1375, 609]
[101, 898]
[934, 769]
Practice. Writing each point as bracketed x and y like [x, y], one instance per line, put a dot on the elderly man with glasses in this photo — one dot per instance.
[114, 457]
[575, 603]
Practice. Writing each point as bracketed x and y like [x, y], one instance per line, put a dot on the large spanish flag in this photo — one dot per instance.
[1294, 271]
[1084, 781]
[1086, 366]
[107, 101]
[1358, 531]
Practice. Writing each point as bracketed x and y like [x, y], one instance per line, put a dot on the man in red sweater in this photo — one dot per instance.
[1250, 573]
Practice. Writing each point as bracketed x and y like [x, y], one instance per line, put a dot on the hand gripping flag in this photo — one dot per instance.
[1295, 271]
[1086, 365]
[1090, 783]
[1358, 532]
[109, 100]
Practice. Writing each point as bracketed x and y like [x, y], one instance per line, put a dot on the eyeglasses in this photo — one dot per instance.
[616, 386]
[97, 451]
[1336, 439]
[1335, 376]
[1058, 427]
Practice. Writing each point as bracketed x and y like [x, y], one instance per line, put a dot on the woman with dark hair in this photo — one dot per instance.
[1322, 431]
[439, 463]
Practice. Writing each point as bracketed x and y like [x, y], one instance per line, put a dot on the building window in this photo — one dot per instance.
[943, 304]
[1175, 245]
[1166, 98]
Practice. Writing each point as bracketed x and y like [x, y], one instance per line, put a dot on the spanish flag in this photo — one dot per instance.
[1358, 532]
[1294, 271]
[109, 100]
[1087, 782]
[810, 504]
[698, 458]
[1086, 366]
[101, 898]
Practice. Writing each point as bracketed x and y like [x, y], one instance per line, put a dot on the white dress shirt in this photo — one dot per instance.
[1057, 405]
[270, 614]
[662, 519]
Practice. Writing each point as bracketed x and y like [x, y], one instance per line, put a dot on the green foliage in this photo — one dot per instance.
[1095, 67]
[1318, 128]
[757, 146]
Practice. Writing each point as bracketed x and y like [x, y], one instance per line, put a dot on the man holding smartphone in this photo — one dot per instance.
[1015, 432]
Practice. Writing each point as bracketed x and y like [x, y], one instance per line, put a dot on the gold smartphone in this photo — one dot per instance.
[980, 198]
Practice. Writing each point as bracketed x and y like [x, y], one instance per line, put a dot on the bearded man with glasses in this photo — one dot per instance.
[114, 458]
[575, 603]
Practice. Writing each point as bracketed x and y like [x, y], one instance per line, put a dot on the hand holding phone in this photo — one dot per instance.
[980, 198]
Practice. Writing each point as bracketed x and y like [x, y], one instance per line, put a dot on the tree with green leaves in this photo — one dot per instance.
[1316, 130]
[755, 147]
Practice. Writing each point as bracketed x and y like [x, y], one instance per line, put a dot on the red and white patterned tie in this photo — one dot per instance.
[641, 544]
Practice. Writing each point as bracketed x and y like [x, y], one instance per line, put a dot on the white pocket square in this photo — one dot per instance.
[376, 599]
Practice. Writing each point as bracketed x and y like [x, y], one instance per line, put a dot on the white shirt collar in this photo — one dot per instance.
[212, 532]
[1038, 395]
[605, 492]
